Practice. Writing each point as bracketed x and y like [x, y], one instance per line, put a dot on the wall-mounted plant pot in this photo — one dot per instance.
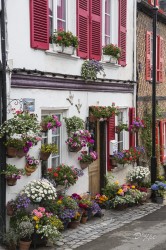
[92, 118]
[29, 170]
[68, 50]
[11, 181]
[21, 153]
[11, 152]
[74, 149]
[84, 165]
[9, 209]
[44, 156]
[106, 58]
[44, 128]
[113, 60]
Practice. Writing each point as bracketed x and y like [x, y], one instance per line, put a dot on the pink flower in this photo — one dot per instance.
[41, 209]
[49, 125]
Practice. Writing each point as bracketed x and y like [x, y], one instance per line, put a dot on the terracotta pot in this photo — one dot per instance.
[84, 164]
[9, 209]
[21, 153]
[73, 224]
[75, 149]
[24, 245]
[44, 156]
[44, 127]
[11, 152]
[29, 170]
[11, 182]
[84, 219]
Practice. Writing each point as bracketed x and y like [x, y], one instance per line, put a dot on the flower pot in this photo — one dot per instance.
[38, 240]
[24, 245]
[11, 152]
[84, 219]
[44, 156]
[74, 149]
[21, 153]
[9, 210]
[11, 181]
[73, 224]
[113, 59]
[68, 50]
[84, 164]
[44, 127]
[11, 247]
[106, 58]
[149, 193]
[159, 199]
[56, 47]
[29, 170]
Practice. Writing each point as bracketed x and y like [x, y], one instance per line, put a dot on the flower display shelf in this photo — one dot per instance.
[74, 149]
[11, 152]
[29, 170]
[73, 224]
[24, 245]
[11, 181]
[21, 153]
[84, 165]
[44, 156]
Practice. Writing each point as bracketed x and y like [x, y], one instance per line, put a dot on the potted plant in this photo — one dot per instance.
[10, 207]
[25, 231]
[103, 112]
[73, 124]
[50, 122]
[159, 188]
[136, 125]
[90, 69]
[79, 139]
[138, 175]
[111, 53]
[31, 164]
[120, 127]
[65, 41]
[86, 159]
[10, 239]
[12, 174]
[22, 123]
[47, 150]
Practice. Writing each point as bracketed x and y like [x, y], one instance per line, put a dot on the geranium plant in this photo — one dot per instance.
[87, 158]
[50, 122]
[73, 124]
[112, 50]
[22, 123]
[65, 38]
[103, 112]
[90, 69]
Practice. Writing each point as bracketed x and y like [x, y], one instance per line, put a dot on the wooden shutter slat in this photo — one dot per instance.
[95, 29]
[148, 56]
[39, 24]
[110, 136]
[83, 28]
[131, 135]
[122, 30]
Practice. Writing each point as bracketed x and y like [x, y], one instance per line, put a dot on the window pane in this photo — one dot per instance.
[61, 25]
[61, 9]
[107, 40]
[55, 162]
[50, 7]
[107, 6]
[107, 25]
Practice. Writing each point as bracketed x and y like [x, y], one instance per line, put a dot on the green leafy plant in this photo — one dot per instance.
[120, 127]
[73, 124]
[103, 112]
[87, 158]
[112, 50]
[25, 230]
[12, 172]
[10, 238]
[49, 148]
[65, 38]
[90, 69]
[51, 122]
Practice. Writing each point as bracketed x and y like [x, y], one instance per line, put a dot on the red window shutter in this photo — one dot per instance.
[131, 135]
[151, 2]
[95, 29]
[110, 136]
[83, 28]
[162, 141]
[148, 56]
[39, 24]
[122, 30]
[161, 60]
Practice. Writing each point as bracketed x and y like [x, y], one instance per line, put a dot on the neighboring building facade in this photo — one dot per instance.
[144, 68]
[36, 71]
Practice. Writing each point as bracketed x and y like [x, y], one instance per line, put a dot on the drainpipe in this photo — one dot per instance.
[134, 51]
[3, 116]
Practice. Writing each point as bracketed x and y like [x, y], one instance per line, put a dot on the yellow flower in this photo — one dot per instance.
[59, 202]
[35, 218]
[133, 186]
[116, 182]
[37, 226]
[120, 191]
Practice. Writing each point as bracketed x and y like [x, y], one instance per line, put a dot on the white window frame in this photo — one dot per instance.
[55, 19]
[114, 22]
[124, 111]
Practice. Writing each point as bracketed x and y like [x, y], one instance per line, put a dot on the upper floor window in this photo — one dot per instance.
[107, 22]
[121, 137]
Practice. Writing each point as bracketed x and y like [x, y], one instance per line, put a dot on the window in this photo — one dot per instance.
[57, 15]
[162, 133]
[121, 137]
[107, 22]
[159, 57]
[52, 137]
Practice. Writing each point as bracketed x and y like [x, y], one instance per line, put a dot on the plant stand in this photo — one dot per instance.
[44, 156]
[11, 182]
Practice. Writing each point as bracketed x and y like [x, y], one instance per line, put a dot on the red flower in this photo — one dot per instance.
[59, 38]
[56, 174]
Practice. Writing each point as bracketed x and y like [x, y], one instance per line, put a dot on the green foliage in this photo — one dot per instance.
[10, 238]
[112, 50]
[103, 111]
[73, 124]
[49, 148]
[90, 69]
[120, 127]
[16, 143]
[65, 38]
[12, 171]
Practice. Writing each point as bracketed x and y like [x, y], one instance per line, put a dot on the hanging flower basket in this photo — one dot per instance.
[11, 181]
[21, 153]
[44, 127]
[11, 152]
[44, 156]
[29, 170]
[74, 149]
[84, 164]
[92, 118]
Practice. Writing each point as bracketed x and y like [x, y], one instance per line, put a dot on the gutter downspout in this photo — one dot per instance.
[134, 51]
[3, 116]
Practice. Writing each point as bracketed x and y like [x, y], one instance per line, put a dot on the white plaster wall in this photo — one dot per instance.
[56, 100]
[24, 56]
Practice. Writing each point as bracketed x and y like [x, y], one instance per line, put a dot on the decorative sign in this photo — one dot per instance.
[28, 104]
